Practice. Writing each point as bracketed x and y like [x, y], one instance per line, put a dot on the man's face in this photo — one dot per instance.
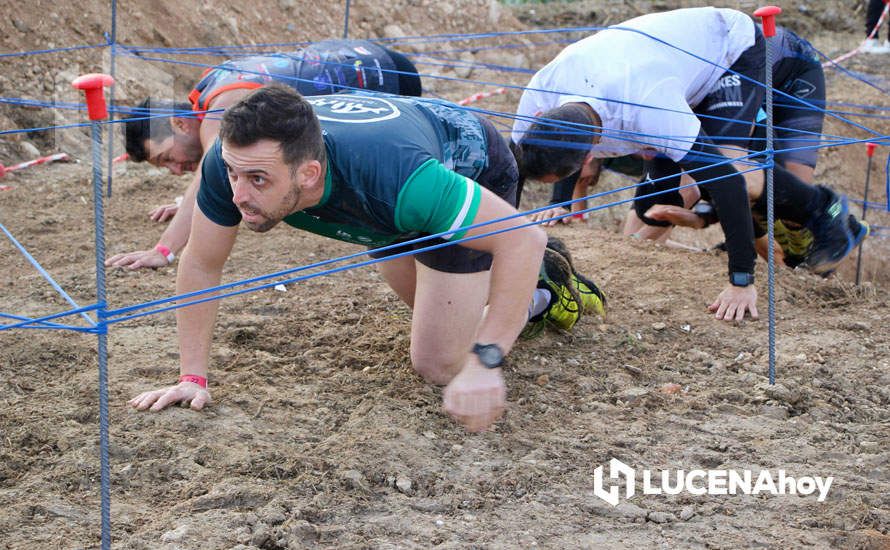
[263, 187]
[179, 153]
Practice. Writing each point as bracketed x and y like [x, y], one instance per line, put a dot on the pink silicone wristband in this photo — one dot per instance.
[165, 252]
[194, 379]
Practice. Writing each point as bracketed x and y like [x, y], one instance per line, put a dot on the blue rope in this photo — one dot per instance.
[66, 313]
[113, 315]
[46, 325]
[44, 273]
[51, 50]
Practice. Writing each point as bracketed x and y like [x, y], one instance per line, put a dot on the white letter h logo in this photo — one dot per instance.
[616, 469]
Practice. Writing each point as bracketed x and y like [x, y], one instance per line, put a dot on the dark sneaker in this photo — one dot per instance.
[832, 239]
[859, 229]
[592, 298]
[564, 309]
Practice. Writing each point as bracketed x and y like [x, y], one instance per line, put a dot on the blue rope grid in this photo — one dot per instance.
[843, 112]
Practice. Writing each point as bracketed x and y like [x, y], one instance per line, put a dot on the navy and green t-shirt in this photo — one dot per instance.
[397, 168]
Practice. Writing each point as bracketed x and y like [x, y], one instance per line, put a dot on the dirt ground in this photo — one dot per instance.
[321, 435]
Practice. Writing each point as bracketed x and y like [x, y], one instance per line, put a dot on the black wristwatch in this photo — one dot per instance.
[706, 212]
[490, 355]
[741, 278]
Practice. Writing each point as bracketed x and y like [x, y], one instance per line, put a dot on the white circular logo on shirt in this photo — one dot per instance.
[354, 109]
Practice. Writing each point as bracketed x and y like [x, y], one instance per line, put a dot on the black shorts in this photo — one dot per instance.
[649, 192]
[500, 177]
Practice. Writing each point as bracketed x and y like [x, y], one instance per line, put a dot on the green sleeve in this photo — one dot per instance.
[436, 199]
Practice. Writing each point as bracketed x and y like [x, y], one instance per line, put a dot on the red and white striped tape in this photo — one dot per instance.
[858, 48]
[29, 163]
[481, 95]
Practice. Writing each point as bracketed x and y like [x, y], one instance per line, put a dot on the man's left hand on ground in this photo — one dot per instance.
[164, 212]
[135, 260]
[734, 301]
[476, 396]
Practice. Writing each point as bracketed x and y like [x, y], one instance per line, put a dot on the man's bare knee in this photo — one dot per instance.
[434, 368]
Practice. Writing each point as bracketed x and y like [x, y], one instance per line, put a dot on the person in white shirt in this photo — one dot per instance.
[649, 86]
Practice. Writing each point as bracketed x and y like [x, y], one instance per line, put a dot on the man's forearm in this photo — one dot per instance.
[195, 323]
[176, 236]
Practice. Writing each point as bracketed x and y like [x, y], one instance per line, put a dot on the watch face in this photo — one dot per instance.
[489, 355]
[741, 279]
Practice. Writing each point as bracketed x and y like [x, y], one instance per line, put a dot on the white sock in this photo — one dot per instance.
[540, 301]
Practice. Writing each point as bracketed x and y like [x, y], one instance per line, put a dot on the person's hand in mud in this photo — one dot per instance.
[675, 215]
[545, 216]
[733, 302]
[164, 212]
[476, 397]
[187, 393]
[135, 260]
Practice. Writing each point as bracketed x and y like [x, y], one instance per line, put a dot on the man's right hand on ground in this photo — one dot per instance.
[675, 215]
[164, 212]
[476, 397]
[135, 260]
[184, 392]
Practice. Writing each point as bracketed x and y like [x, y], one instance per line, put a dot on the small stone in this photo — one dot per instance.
[670, 388]
[632, 511]
[632, 395]
[661, 517]
[637, 371]
[773, 411]
[393, 31]
[404, 485]
[542, 380]
[457, 448]
[21, 26]
[687, 513]
[355, 479]
[659, 326]
[175, 535]
[29, 149]
[869, 446]
[430, 435]
[779, 392]
[439, 523]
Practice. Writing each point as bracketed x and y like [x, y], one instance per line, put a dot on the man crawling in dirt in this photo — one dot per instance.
[371, 169]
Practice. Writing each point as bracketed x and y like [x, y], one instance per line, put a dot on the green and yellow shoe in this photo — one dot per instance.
[795, 242]
[593, 300]
[564, 309]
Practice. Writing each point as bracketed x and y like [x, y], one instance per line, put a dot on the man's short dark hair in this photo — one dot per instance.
[144, 123]
[277, 113]
[558, 146]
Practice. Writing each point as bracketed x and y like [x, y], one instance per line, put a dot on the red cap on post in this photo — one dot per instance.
[768, 14]
[870, 148]
[93, 87]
